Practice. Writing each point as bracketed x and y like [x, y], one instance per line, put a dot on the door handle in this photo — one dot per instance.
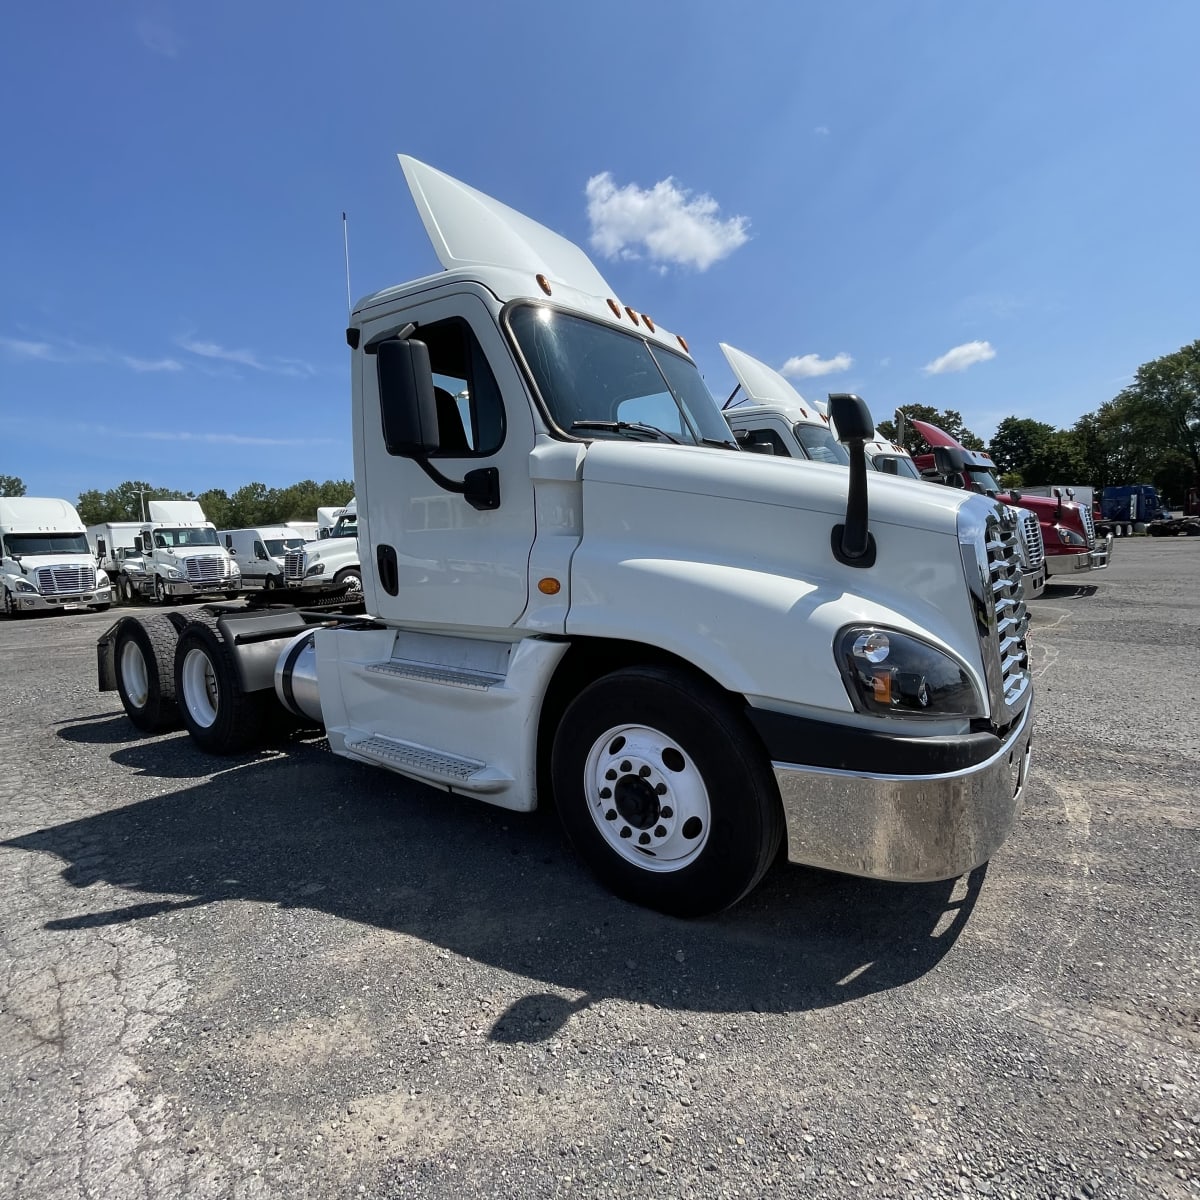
[389, 571]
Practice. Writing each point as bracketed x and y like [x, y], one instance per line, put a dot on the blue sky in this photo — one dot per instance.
[984, 207]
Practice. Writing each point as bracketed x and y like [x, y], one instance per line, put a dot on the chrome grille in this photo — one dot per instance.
[205, 568]
[70, 580]
[1031, 540]
[1089, 525]
[294, 562]
[1008, 602]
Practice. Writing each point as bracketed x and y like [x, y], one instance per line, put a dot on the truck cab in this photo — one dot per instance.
[46, 563]
[330, 562]
[581, 589]
[182, 556]
[1068, 529]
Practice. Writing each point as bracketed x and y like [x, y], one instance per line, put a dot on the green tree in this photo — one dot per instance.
[122, 503]
[1163, 404]
[11, 485]
[949, 420]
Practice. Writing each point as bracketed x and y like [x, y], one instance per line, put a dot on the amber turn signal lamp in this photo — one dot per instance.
[549, 587]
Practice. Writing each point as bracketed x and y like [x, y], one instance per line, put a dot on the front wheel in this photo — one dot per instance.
[665, 791]
[160, 591]
[351, 579]
[221, 717]
[10, 605]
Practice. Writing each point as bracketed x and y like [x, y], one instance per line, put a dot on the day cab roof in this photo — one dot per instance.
[479, 240]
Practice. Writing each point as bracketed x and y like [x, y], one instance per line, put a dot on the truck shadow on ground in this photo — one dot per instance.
[1068, 591]
[308, 830]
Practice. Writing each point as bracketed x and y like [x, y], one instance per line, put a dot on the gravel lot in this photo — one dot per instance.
[287, 975]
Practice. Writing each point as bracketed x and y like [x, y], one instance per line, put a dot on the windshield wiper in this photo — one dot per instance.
[724, 445]
[626, 427]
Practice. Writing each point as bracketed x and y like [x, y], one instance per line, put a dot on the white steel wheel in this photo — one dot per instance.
[647, 798]
[134, 673]
[665, 790]
[201, 694]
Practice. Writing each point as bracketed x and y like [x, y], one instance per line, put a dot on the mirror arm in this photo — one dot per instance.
[480, 488]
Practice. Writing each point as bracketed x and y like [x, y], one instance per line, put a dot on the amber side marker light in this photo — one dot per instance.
[549, 587]
[616, 308]
[543, 283]
[683, 342]
[881, 685]
[632, 315]
[649, 323]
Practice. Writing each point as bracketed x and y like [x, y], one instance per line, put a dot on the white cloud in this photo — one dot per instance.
[666, 223]
[157, 37]
[821, 131]
[21, 348]
[959, 358]
[293, 367]
[143, 365]
[806, 366]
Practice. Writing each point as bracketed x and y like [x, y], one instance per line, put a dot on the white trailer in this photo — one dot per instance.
[45, 560]
[582, 590]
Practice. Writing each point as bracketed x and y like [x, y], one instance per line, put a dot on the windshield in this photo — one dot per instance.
[170, 539]
[276, 547]
[346, 527]
[896, 464]
[46, 543]
[820, 445]
[589, 374]
[983, 481]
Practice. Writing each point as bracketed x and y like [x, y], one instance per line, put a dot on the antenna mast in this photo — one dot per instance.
[346, 244]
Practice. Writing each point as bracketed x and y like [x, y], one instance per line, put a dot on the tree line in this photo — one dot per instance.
[254, 504]
[1148, 433]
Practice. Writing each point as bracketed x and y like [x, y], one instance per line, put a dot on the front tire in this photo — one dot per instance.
[351, 579]
[665, 791]
[10, 606]
[161, 595]
[221, 717]
[144, 657]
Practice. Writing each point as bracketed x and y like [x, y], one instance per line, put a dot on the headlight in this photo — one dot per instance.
[102, 579]
[315, 569]
[888, 673]
[234, 569]
[24, 586]
[1069, 537]
[173, 573]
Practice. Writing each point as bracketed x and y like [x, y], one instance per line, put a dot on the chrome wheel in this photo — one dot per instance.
[647, 798]
[200, 694]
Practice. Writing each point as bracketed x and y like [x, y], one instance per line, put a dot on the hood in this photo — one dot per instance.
[802, 485]
[329, 545]
[34, 562]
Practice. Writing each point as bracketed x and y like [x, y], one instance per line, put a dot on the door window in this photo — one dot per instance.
[470, 411]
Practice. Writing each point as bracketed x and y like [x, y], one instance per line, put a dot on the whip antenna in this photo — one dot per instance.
[346, 244]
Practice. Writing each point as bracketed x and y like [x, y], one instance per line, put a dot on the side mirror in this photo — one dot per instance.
[950, 460]
[1016, 496]
[851, 542]
[406, 402]
[1070, 493]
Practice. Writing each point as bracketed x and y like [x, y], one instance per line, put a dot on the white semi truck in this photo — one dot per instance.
[581, 590]
[182, 557]
[45, 560]
[332, 561]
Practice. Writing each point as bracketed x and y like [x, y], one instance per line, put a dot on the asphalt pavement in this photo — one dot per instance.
[287, 975]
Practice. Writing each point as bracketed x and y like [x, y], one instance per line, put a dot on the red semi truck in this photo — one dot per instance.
[1068, 529]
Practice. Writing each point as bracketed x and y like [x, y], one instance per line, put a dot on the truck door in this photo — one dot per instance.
[446, 562]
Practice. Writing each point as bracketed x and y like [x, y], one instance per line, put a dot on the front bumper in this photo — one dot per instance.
[1081, 560]
[1034, 582]
[181, 587]
[911, 827]
[36, 602]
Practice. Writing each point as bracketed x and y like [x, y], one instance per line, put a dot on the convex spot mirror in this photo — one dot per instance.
[407, 406]
[949, 460]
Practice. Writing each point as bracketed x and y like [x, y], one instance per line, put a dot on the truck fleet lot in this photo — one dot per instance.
[285, 974]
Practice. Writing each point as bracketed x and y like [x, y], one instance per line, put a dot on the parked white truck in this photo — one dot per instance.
[775, 419]
[260, 552]
[182, 556]
[581, 589]
[330, 562]
[45, 560]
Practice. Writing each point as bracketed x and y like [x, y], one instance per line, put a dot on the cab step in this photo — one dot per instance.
[448, 676]
[449, 770]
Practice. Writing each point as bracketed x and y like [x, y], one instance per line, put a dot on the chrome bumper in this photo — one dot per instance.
[1034, 582]
[911, 828]
[1101, 556]
[36, 602]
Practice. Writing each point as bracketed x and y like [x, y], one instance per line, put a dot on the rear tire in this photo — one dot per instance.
[144, 658]
[665, 791]
[220, 716]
